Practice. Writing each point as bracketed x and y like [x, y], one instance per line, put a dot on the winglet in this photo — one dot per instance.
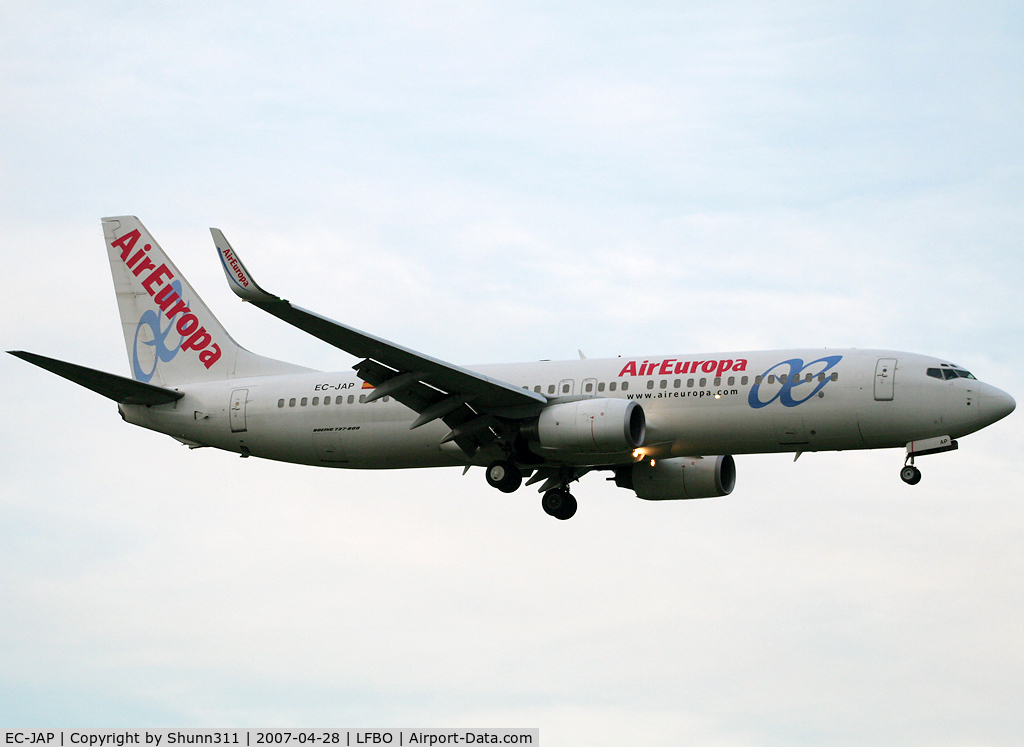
[239, 278]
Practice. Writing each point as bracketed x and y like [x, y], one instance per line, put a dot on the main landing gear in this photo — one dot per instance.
[559, 503]
[505, 476]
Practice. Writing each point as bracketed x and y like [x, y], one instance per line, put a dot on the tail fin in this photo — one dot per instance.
[172, 337]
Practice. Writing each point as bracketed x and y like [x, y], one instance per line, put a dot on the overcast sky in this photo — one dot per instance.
[491, 182]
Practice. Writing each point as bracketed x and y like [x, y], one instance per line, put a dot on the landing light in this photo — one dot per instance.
[718, 396]
[652, 462]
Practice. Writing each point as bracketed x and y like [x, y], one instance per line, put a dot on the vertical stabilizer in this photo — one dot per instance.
[172, 337]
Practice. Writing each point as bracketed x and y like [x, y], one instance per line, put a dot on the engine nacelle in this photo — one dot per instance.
[679, 478]
[591, 426]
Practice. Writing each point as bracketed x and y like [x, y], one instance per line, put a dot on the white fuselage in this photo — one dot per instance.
[723, 403]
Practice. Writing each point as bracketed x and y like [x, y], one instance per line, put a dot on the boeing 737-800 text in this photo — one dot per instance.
[654, 422]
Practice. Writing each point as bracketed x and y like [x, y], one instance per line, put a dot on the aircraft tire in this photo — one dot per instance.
[505, 476]
[569, 509]
[910, 475]
[559, 503]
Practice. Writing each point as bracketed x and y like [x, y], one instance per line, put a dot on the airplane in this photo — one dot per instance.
[664, 426]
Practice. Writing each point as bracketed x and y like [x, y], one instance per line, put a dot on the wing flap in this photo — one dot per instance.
[430, 402]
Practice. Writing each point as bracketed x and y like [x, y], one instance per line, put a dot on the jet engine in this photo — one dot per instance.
[679, 478]
[590, 426]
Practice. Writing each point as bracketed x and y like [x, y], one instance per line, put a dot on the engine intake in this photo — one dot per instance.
[591, 426]
[679, 478]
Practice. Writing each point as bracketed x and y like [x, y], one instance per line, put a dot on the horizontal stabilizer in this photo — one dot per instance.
[118, 388]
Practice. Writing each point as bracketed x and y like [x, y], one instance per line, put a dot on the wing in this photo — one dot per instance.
[118, 388]
[474, 406]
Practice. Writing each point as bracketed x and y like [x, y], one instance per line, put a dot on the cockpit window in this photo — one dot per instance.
[948, 373]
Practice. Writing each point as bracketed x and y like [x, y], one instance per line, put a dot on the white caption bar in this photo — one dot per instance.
[261, 737]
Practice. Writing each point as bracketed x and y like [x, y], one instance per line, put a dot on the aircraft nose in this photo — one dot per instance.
[995, 404]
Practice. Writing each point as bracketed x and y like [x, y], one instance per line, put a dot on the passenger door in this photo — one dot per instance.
[885, 379]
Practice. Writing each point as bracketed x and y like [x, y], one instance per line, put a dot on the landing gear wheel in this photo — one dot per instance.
[910, 474]
[559, 503]
[505, 476]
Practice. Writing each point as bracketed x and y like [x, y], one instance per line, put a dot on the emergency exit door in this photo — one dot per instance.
[885, 378]
[236, 412]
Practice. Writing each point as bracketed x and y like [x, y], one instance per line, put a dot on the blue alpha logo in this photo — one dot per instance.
[792, 377]
[164, 352]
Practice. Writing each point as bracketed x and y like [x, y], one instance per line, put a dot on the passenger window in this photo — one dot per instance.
[589, 387]
[703, 382]
[537, 389]
[731, 381]
[625, 385]
[757, 380]
[611, 386]
[677, 383]
[835, 377]
[821, 377]
[809, 377]
[362, 398]
[316, 400]
[664, 384]
[280, 403]
[718, 381]
[744, 381]
[551, 388]
[783, 378]
[600, 386]
[351, 398]
[650, 384]
[303, 401]
[387, 397]
[565, 388]
[771, 378]
[689, 383]
[291, 402]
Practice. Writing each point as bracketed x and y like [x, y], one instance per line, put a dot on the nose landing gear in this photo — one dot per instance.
[910, 474]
